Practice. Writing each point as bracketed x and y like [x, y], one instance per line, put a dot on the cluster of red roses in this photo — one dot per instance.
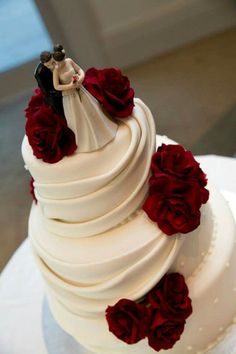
[160, 317]
[112, 89]
[47, 132]
[176, 190]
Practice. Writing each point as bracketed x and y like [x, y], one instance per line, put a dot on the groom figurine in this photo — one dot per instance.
[43, 75]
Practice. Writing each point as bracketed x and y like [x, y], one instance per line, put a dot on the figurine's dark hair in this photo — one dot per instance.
[59, 52]
[45, 56]
[58, 48]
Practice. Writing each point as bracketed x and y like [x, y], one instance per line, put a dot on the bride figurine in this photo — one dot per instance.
[92, 128]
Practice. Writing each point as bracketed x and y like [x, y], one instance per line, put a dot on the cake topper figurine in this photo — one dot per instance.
[93, 129]
[43, 75]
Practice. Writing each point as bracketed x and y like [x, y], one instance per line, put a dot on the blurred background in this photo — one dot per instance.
[180, 56]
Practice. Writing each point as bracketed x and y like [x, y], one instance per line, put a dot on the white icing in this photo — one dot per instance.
[218, 282]
[87, 289]
[94, 246]
[95, 201]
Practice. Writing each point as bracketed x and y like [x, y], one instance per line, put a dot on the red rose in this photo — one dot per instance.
[164, 333]
[32, 190]
[35, 103]
[176, 190]
[49, 136]
[128, 320]
[170, 297]
[174, 160]
[173, 204]
[111, 89]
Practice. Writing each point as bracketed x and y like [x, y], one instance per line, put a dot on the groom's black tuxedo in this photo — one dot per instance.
[52, 97]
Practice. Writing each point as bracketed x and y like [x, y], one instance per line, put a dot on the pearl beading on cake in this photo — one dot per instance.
[130, 218]
[207, 254]
[224, 331]
[220, 338]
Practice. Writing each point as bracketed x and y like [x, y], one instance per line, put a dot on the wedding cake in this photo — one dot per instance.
[135, 257]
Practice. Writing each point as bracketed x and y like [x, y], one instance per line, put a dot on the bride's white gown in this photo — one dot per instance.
[84, 116]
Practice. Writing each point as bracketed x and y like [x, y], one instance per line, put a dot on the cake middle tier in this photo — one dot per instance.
[94, 271]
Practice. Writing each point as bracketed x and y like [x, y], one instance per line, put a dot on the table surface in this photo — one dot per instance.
[26, 325]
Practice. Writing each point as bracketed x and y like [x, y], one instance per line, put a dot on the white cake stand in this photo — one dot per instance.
[26, 324]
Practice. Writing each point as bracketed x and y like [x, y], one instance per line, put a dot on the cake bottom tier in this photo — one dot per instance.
[207, 259]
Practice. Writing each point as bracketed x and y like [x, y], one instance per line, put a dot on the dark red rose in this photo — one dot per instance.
[173, 204]
[170, 297]
[176, 190]
[111, 89]
[174, 160]
[164, 333]
[32, 190]
[35, 103]
[49, 136]
[128, 320]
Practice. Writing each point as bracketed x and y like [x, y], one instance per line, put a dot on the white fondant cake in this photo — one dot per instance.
[95, 245]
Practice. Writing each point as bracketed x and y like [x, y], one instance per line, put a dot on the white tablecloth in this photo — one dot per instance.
[26, 325]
